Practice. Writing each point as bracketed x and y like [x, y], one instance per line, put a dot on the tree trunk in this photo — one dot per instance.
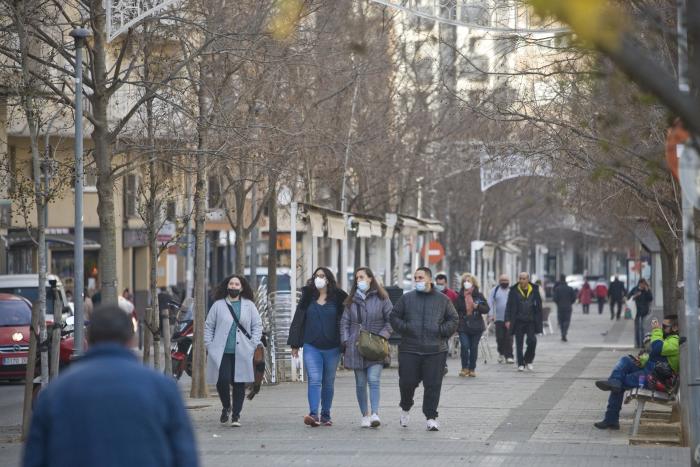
[199, 386]
[103, 158]
[165, 333]
[147, 336]
[29, 375]
[272, 240]
[240, 232]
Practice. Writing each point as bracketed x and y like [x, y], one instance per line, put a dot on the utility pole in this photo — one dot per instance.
[79, 35]
[690, 373]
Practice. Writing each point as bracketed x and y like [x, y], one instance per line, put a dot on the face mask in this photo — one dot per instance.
[420, 286]
[362, 286]
[468, 285]
[320, 282]
[504, 285]
[233, 293]
[440, 287]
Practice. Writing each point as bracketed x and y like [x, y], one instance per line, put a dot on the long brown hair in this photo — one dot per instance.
[374, 285]
[221, 290]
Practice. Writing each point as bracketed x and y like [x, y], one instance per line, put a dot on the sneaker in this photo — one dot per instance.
[563, 339]
[464, 372]
[606, 425]
[405, 417]
[235, 422]
[609, 385]
[521, 368]
[510, 360]
[472, 374]
[365, 423]
[445, 371]
[432, 425]
[326, 421]
[312, 421]
[375, 421]
[530, 367]
[501, 359]
[224, 415]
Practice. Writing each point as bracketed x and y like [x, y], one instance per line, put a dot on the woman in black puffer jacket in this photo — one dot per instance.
[471, 306]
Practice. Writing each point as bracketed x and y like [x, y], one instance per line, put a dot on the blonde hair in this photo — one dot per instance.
[471, 278]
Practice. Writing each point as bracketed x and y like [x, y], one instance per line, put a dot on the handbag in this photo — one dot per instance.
[371, 346]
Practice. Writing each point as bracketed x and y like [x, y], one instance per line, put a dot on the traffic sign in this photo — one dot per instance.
[436, 252]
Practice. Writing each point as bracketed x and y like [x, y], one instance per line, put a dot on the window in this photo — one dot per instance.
[214, 191]
[424, 71]
[90, 178]
[476, 13]
[474, 68]
[171, 211]
[131, 196]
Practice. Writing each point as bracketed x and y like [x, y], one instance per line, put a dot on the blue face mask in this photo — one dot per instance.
[440, 287]
[362, 286]
[420, 286]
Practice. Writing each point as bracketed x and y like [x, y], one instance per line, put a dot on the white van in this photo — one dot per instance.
[26, 285]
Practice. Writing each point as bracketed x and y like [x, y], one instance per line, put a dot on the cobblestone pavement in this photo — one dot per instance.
[499, 418]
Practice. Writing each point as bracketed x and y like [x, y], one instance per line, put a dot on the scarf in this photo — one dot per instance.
[469, 301]
[525, 293]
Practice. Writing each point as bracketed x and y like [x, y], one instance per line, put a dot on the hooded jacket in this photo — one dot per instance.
[425, 320]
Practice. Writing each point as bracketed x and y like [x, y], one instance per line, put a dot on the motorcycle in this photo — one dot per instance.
[181, 349]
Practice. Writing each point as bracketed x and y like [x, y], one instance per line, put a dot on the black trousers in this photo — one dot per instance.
[521, 330]
[414, 368]
[564, 319]
[586, 308]
[504, 340]
[614, 302]
[601, 305]
[226, 387]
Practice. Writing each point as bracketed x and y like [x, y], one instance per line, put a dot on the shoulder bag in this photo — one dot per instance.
[371, 346]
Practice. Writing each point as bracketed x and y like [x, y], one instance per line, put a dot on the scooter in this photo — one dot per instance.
[181, 349]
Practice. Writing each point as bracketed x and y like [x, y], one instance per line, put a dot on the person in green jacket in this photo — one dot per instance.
[664, 347]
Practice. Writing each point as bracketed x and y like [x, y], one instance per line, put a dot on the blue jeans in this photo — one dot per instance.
[627, 373]
[469, 349]
[369, 376]
[320, 368]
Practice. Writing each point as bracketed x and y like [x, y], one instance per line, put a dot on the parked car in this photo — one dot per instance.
[15, 321]
[26, 285]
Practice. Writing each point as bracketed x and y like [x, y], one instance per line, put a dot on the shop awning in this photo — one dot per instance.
[316, 221]
[15, 239]
[336, 227]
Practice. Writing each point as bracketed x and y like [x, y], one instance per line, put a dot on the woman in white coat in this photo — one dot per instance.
[230, 346]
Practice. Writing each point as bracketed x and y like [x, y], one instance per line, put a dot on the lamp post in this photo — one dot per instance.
[79, 35]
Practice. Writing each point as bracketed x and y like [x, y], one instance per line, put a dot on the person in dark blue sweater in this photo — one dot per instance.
[121, 412]
[316, 328]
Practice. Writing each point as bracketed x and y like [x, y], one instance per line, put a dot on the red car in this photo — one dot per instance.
[15, 319]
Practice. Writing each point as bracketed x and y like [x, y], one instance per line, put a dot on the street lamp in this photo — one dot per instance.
[79, 35]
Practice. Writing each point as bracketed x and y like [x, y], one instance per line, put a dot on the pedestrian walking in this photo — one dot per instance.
[524, 318]
[425, 319]
[442, 285]
[367, 307]
[123, 413]
[630, 371]
[585, 297]
[601, 294]
[642, 296]
[316, 329]
[497, 300]
[232, 332]
[471, 308]
[616, 294]
[564, 296]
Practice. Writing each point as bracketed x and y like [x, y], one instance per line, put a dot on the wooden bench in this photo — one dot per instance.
[642, 396]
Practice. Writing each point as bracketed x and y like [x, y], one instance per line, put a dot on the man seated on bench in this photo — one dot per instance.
[664, 347]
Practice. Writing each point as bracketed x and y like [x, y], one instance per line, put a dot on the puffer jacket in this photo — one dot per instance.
[370, 313]
[425, 320]
[472, 324]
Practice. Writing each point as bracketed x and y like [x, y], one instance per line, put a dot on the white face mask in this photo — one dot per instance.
[468, 285]
[362, 286]
[320, 282]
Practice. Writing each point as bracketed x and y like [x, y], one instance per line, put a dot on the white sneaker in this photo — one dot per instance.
[530, 367]
[365, 422]
[405, 417]
[374, 420]
[432, 425]
[510, 360]
[521, 368]
[501, 359]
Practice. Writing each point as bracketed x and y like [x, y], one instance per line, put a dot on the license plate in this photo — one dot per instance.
[14, 361]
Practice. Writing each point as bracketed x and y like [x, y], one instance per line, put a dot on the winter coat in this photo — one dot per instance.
[564, 296]
[643, 301]
[516, 312]
[601, 291]
[122, 412]
[616, 292]
[308, 295]
[370, 313]
[585, 295]
[474, 324]
[216, 329]
[451, 294]
[425, 320]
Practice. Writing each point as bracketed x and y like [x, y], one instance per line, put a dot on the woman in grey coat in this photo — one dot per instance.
[230, 346]
[367, 307]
